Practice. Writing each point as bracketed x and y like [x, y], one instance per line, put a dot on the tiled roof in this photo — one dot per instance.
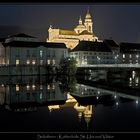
[85, 32]
[34, 44]
[67, 32]
[92, 46]
[21, 35]
[111, 43]
[129, 47]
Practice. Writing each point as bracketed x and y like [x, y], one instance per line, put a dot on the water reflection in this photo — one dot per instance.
[81, 95]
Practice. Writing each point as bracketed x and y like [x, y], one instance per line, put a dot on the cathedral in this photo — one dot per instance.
[83, 31]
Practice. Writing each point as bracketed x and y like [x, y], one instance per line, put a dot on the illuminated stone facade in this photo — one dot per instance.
[83, 31]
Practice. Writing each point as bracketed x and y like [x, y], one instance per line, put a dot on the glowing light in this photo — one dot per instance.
[137, 55]
[98, 92]
[33, 87]
[137, 101]
[48, 87]
[49, 62]
[115, 96]
[17, 61]
[117, 103]
[33, 62]
[28, 87]
[28, 62]
[41, 96]
[17, 87]
[41, 87]
[53, 86]
[97, 97]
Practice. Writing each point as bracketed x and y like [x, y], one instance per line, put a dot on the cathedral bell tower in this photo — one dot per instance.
[88, 22]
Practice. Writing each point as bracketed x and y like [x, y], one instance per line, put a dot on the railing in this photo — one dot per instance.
[110, 65]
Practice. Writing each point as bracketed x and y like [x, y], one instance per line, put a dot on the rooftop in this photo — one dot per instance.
[92, 46]
[67, 32]
[21, 35]
[129, 47]
[34, 44]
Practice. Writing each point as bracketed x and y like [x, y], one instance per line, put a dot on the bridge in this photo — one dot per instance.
[107, 92]
[95, 66]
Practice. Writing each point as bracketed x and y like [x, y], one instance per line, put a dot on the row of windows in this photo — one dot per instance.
[33, 62]
[92, 53]
[33, 87]
[130, 55]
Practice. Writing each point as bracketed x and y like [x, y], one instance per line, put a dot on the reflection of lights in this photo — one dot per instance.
[28, 62]
[41, 87]
[82, 93]
[41, 96]
[117, 103]
[137, 80]
[98, 92]
[2, 85]
[137, 55]
[17, 87]
[137, 101]
[130, 79]
[53, 86]
[123, 55]
[33, 62]
[133, 74]
[97, 97]
[33, 87]
[136, 84]
[28, 87]
[115, 96]
[48, 87]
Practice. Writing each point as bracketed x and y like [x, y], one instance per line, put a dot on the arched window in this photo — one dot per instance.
[90, 28]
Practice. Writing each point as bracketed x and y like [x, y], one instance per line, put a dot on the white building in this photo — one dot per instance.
[83, 31]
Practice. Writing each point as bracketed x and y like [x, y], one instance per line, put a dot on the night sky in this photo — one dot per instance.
[119, 22]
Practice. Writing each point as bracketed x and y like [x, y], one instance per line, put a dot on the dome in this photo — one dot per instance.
[81, 26]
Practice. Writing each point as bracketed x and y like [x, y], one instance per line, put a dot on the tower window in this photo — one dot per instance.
[89, 28]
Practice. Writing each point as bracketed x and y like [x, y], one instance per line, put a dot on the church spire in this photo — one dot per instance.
[88, 16]
[80, 20]
[88, 22]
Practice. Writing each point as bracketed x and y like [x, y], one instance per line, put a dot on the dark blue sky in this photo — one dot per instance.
[121, 22]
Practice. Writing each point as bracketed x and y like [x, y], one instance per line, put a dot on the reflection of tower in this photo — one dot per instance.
[88, 114]
[80, 109]
[53, 107]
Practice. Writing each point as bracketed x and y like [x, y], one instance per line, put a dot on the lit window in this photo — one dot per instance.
[17, 87]
[41, 96]
[41, 62]
[53, 86]
[33, 62]
[53, 62]
[33, 87]
[28, 87]
[48, 87]
[49, 62]
[41, 53]
[41, 87]
[28, 62]
[17, 61]
[123, 55]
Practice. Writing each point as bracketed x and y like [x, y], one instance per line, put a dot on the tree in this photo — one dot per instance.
[68, 66]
